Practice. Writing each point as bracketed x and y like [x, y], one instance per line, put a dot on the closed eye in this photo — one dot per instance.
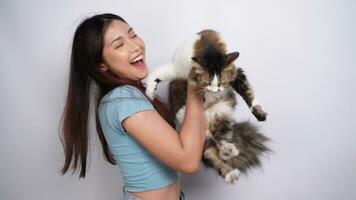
[119, 46]
[132, 33]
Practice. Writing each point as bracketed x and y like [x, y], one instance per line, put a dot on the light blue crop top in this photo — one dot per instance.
[140, 170]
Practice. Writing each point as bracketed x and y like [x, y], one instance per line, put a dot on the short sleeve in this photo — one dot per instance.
[129, 102]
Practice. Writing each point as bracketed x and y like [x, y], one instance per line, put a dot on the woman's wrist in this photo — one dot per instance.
[195, 95]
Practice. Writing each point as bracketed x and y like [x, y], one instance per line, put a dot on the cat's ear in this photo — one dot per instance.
[231, 57]
[198, 60]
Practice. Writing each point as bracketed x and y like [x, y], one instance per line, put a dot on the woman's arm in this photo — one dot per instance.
[183, 151]
[192, 133]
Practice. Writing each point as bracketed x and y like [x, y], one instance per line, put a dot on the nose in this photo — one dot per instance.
[134, 47]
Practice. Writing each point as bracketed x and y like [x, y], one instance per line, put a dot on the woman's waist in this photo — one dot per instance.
[170, 192]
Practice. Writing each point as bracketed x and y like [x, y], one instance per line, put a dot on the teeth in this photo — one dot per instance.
[137, 59]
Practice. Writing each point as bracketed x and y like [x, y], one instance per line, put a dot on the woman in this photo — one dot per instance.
[135, 133]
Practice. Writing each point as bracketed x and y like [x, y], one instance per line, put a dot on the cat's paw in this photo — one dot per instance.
[151, 87]
[227, 150]
[259, 113]
[232, 176]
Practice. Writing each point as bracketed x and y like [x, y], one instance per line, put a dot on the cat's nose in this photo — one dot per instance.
[213, 88]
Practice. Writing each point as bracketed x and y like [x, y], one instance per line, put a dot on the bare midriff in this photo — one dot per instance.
[170, 192]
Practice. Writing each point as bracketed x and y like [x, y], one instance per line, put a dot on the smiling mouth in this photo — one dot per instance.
[138, 61]
[138, 58]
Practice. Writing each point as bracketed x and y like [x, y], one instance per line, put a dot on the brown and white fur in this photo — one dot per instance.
[203, 60]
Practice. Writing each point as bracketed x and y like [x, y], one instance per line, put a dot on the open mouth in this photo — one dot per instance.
[138, 61]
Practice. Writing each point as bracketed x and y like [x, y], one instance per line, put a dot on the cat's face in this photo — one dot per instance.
[214, 72]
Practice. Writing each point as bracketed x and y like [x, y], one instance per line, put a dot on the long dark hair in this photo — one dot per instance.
[87, 85]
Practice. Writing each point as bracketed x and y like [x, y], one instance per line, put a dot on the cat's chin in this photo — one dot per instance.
[206, 90]
[212, 89]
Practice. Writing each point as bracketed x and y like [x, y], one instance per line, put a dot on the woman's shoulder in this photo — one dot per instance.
[127, 91]
[124, 91]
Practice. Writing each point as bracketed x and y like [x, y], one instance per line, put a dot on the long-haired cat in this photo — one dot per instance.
[203, 60]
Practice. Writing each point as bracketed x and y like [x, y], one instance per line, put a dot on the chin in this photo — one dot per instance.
[140, 78]
[145, 73]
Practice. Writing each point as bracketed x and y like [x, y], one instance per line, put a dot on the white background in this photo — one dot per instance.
[296, 54]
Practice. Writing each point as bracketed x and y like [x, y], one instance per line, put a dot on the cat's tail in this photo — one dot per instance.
[253, 146]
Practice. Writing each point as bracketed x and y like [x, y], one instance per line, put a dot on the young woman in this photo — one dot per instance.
[136, 134]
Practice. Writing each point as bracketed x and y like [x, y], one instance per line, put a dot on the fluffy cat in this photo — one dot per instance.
[230, 147]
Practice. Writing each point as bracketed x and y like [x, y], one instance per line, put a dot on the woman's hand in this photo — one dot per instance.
[195, 92]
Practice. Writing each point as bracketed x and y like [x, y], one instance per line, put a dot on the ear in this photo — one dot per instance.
[103, 67]
[198, 60]
[231, 57]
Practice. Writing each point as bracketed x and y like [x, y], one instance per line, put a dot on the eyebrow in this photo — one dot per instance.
[118, 38]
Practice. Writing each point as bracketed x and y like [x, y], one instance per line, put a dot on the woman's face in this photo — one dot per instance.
[124, 52]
